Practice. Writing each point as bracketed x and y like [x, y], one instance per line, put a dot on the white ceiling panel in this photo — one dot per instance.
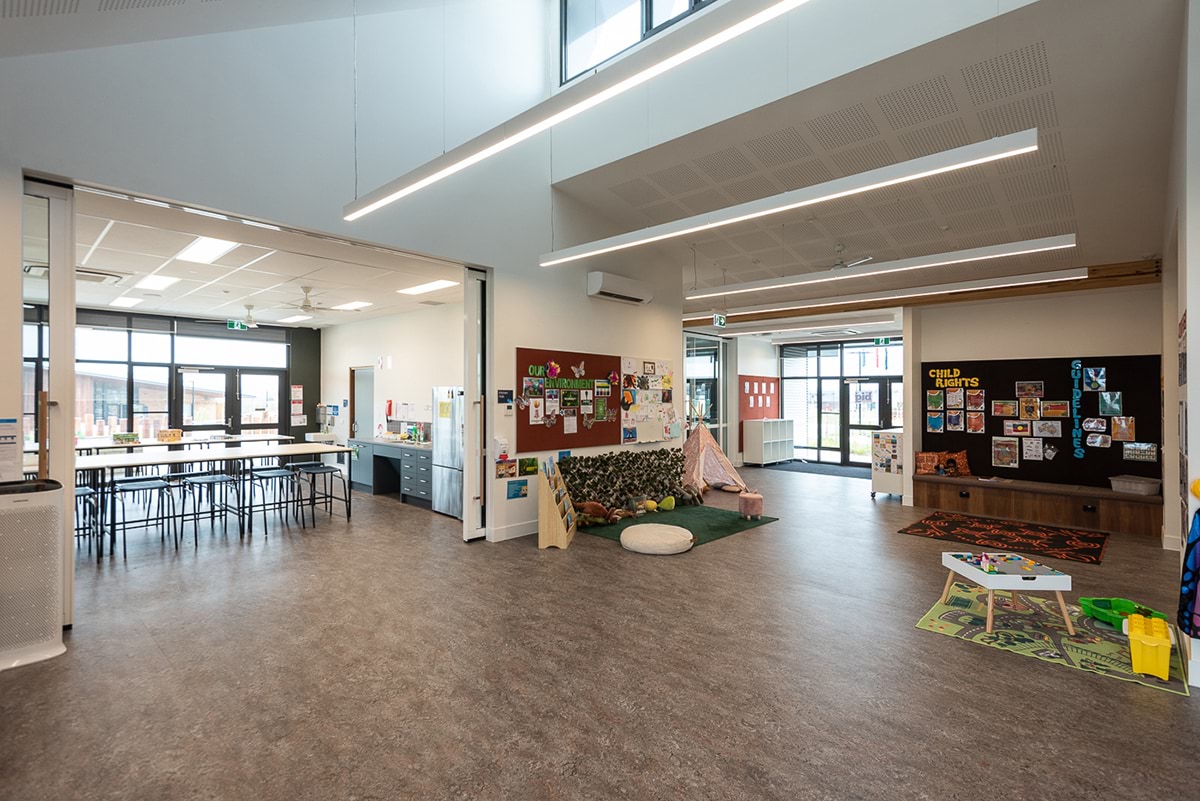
[149, 241]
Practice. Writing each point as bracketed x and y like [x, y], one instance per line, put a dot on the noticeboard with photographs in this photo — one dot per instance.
[1065, 421]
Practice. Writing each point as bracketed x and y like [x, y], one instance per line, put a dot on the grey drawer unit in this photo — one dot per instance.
[416, 473]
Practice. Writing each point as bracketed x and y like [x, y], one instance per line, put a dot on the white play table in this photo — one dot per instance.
[1014, 572]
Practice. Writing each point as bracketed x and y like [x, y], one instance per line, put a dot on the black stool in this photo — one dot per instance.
[285, 491]
[195, 485]
[309, 471]
[156, 489]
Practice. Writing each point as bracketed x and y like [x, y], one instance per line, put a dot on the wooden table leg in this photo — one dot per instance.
[991, 605]
[946, 590]
[1062, 606]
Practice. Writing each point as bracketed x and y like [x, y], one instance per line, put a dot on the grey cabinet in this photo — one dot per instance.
[393, 468]
[416, 473]
[363, 467]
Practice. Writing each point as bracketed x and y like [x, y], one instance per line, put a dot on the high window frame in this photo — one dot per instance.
[648, 29]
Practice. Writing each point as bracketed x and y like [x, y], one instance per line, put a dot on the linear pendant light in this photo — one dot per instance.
[1001, 147]
[898, 266]
[1004, 282]
[706, 31]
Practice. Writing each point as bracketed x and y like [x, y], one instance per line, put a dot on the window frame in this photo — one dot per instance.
[647, 18]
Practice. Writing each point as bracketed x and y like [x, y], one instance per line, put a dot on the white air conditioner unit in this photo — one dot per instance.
[619, 288]
[31, 572]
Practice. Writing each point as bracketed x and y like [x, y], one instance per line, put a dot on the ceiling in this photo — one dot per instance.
[1100, 171]
[129, 240]
[46, 26]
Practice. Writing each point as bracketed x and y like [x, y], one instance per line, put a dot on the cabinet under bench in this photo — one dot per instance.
[385, 468]
[1072, 505]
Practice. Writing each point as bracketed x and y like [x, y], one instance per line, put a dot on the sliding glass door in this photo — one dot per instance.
[228, 400]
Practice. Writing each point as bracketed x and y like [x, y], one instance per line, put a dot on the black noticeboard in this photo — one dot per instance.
[1074, 382]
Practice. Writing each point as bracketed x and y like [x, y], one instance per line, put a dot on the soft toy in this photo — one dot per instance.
[619, 514]
[651, 506]
[667, 503]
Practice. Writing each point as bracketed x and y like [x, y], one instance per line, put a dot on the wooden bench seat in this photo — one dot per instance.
[1072, 505]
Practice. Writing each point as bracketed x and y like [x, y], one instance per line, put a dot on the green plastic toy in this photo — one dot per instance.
[1114, 610]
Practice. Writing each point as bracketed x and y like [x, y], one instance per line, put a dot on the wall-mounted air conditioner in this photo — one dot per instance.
[619, 288]
[31, 572]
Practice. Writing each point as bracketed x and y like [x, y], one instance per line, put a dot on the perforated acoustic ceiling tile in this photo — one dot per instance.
[901, 211]
[867, 243]
[678, 180]
[16, 9]
[666, 211]
[935, 138]
[807, 173]
[128, 5]
[755, 241]
[637, 192]
[1052, 228]
[708, 200]
[1050, 151]
[1038, 112]
[918, 103]
[976, 222]
[798, 231]
[816, 252]
[779, 147]
[967, 175]
[844, 127]
[846, 223]
[863, 157]
[981, 240]
[916, 232]
[964, 198]
[1044, 210]
[725, 165]
[715, 249]
[1009, 74]
[751, 188]
[1039, 183]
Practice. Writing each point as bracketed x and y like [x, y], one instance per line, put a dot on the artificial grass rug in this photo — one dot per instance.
[1035, 628]
[1008, 535]
[705, 523]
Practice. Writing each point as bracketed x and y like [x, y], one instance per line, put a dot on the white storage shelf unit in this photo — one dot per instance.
[767, 441]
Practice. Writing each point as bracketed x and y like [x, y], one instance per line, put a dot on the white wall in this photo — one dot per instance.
[423, 348]
[757, 357]
[1109, 322]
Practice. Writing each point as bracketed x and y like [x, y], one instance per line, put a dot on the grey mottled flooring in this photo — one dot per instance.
[386, 659]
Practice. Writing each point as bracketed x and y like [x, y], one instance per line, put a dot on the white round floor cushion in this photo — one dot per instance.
[655, 538]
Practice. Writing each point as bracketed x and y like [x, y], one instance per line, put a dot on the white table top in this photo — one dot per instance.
[106, 443]
[1015, 572]
[119, 461]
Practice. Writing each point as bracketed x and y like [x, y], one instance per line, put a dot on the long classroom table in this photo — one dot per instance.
[102, 469]
[106, 444]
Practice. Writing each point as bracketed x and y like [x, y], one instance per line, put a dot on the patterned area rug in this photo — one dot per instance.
[1035, 628]
[1008, 535]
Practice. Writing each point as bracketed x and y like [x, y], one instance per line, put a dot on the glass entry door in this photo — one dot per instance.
[206, 398]
[260, 403]
[867, 407]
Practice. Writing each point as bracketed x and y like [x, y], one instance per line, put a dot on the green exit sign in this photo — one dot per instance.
[236, 325]
[883, 340]
[719, 320]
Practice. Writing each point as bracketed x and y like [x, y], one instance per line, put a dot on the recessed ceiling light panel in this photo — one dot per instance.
[206, 250]
[156, 282]
[353, 305]
[125, 302]
[295, 318]
[432, 286]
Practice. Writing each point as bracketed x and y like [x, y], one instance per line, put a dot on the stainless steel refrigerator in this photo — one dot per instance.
[448, 419]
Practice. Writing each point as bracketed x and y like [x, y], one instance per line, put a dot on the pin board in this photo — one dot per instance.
[758, 399]
[567, 400]
[1064, 421]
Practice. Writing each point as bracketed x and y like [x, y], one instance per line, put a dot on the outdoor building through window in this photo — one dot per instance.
[594, 31]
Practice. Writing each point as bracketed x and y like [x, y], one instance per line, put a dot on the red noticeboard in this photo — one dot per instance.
[538, 366]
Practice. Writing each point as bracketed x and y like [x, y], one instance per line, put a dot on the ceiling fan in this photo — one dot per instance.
[249, 319]
[841, 264]
[307, 306]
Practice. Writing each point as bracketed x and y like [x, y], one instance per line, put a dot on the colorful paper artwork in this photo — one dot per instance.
[1004, 408]
[1095, 424]
[1047, 428]
[1031, 408]
[1095, 379]
[570, 398]
[537, 411]
[955, 398]
[628, 435]
[955, 420]
[518, 489]
[1031, 449]
[527, 467]
[1098, 440]
[507, 468]
[533, 387]
[1140, 451]
[603, 388]
[1056, 408]
[1049, 452]
[1111, 403]
[1017, 428]
[975, 400]
[1006, 452]
[1031, 389]
[934, 399]
[975, 422]
[934, 422]
[647, 402]
[1122, 429]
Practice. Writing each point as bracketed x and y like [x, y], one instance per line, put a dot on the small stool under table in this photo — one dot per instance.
[1014, 572]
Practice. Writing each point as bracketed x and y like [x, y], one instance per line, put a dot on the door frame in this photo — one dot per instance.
[232, 406]
[284, 401]
[884, 383]
[350, 432]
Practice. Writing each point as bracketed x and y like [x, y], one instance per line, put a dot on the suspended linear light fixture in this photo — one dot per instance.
[705, 32]
[898, 266]
[1001, 147]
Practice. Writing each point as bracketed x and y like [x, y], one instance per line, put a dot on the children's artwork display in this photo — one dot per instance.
[1063, 420]
[758, 399]
[955, 398]
[646, 416]
[552, 385]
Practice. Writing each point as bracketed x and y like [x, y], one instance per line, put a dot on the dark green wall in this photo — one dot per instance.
[305, 369]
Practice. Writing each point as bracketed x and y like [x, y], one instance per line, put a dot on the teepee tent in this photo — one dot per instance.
[704, 465]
